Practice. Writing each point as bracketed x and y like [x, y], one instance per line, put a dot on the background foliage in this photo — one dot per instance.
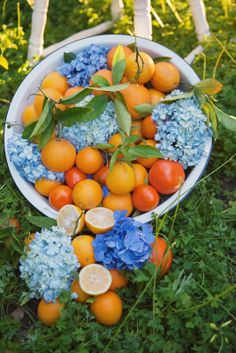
[193, 308]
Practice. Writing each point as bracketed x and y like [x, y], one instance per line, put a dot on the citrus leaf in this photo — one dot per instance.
[41, 221]
[46, 135]
[28, 130]
[201, 98]
[100, 81]
[142, 151]
[98, 105]
[175, 98]
[118, 64]
[103, 146]
[114, 88]
[228, 121]
[144, 109]
[123, 116]
[209, 86]
[160, 59]
[72, 116]
[3, 62]
[44, 119]
[68, 57]
[209, 110]
[114, 159]
[76, 97]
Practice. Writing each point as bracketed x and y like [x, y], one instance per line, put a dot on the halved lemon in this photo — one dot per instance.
[95, 279]
[71, 219]
[99, 220]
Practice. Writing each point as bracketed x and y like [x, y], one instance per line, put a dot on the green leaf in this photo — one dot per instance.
[72, 116]
[132, 46]
[123, 116]
[144, 109]
[103, 146]
[68, 57]
[44, 119]
[28, 130]
[98, 105]
[144, 151]
[209, 110]
[201, 98]
[228, 121]
[160, 59]
[3, 62]
[114, 88]
[76, 97]
[100, 81]
[46, 135]
[41, 221]
[209, 86]
[118, 64]
[114, 159]
[175, 98]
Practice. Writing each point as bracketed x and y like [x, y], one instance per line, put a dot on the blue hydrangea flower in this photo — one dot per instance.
[182, 130]
[79, 71]
[127, 246]
[50, 265]
[26, 158]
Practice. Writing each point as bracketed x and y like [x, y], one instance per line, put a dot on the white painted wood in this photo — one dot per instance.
[199, 17]
[190, 57]
[117, 7]
[142, 18]
[39, 19]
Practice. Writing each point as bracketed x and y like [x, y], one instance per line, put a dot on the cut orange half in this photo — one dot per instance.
[71, 219]
[99, 220]
[95, 279]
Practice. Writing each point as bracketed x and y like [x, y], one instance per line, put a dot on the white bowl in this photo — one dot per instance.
[50, 63]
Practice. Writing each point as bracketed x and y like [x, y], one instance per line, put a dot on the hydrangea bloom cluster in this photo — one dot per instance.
[86, 63]
[182, 130]
[126, 246]
[94, 131]
[50, 265]
[26, 158]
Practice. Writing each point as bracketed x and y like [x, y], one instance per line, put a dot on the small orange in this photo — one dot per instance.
[147, 162]
[55, 80]
[87, 194]
[107, 74]
[118, 280]
[83, 249]
[115, 140]
[118, 202]
[49, 313]
[29, 115]
[89, 160]
[141, 174]
[121, 179]
[148, 127]
[141, 69]
[136, 128]
[82, 296]
[70, 91]
[135, 95]
[166, 77]
[45, 186]
[51, 93]
[156, 96]
[101, 174]
[111, 53]
[58, 155]
[161, 255]
[60, 196]
[107, 308]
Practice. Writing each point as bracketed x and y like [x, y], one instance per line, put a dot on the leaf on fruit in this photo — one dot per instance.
[209, 86]
[118, 64]
[103, 146]
[44, 119]
[46, 135]
[28, 130]
[72, 116]
[100, 81]
[123, 116]
[144, 151]
[144, 109]
[114, 88]
[68, 57]
[41, 221]
[114, 159]
[76, 97]
[228, 121]
[175, 98]
[160, 59]
[4, 62]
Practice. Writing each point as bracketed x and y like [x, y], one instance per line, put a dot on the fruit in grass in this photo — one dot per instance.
[83, 249]
[134, 95]
[51, 93]
[89, 160]
[29, 115]
[161, 255]
[118, 280]
[107, 74]
[107, 308]
[110, 55]
[71, 219]
[82, 297]
[140, 68]
[166, 77]
[145, 198]
[45, 186]
[156, 96]
[166, 176]
[28, 239]
[56, 81]
[49, 313]
[73, 176]
[60, 196]
[58, 155]
[148, 127]
[141, 174]
[147, 162]
[118, 202]
[121, 179]
[101, 174]
[87, 194]
[99, 220]
[94, 279]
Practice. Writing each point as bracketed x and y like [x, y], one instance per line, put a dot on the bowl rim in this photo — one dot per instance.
[27, 188]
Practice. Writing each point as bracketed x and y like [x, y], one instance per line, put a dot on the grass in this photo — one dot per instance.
[193, 308]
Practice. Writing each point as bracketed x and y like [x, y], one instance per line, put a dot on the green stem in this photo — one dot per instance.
[224, 48]
[217, 63]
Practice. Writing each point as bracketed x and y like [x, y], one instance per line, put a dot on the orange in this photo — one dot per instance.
[136, 128]
[60, 196]
[156, 96]
[148, 127]
[45, 186]
[101, 174]
[29, 115]
[145, 198]
[147, 162]
[94, 279]
[99, 220]
[49, 313]
[141, 174]
[89, 160]
[58, 155]
[118, 280]
[29, 239]
[115, 140]
[87, 194]
[51, 93]
[121, 179]
[161, 255]
[166, 77]
[111, 53]
[71, 219]
[118, 202]
[69, 92]
[141, 69]
[135, 95]
[55, 80]
[107, 74]
[82, 296]
[83, 249]
[107, 308]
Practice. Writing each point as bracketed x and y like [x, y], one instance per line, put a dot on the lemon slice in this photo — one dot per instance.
[95, 279]
[99, 220]
[71, 219]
